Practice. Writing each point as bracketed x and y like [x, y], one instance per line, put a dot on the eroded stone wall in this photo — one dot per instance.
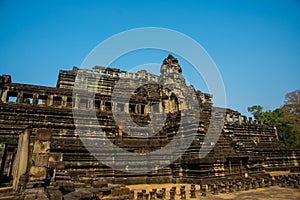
[244, 145]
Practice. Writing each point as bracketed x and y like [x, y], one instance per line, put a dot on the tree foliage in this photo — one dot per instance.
[256, 111]
[286, 118]
[292, 102]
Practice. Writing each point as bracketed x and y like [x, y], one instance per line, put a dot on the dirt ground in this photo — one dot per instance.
[273, 193]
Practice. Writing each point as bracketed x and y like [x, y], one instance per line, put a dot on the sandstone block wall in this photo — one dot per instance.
[244, 145]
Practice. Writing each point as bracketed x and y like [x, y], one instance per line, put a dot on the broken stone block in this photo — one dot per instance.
[35, 193]
[41, 196]
[29, 197]
[85, 194]
[41, 147]
[55, 194]
[100, 183]
[72, 196]
[53, 156]
[67, 186]
[59, 165]
[5, 78]
[43, 135]
[34, 184]
[40, 160]
[37, 173]
[120, 191]
[115, 192]
[51, 164]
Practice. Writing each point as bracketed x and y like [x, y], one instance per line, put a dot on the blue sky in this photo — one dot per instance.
[255, 44]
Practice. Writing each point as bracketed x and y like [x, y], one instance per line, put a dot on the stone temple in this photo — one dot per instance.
[43, 155]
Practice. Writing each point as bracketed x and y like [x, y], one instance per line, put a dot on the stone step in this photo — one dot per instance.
[5, 190]
[8, 197]
[7, 193]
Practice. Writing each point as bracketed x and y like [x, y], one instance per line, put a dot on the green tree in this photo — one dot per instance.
[286, 118]
[292, 102]
[256, 111]
[292, 114]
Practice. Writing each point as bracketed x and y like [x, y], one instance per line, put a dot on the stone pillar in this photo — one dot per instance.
[203, 190]
[4, 96]
[276, 134]
[131, 195]
[273, 182]
[182, 193]
[154, 190]
[3, 152]
[160, 107]
[76, 101]
[50, 102]
[295, 184]
[21, 161]
[64, 101]
[164, 192]
[40, 155]
[136, 108]
[20, 97]
[159, 195]
[243, 185]
[152, 197]
[247, 185]
[230, 185]
[238, 186]
[283, 183]
[233, 118]
[172, 194]
[250, 120]
[223, 187]
[102, 105]
[227, 118]
[240, 120]
[90, 104]
[267, 182]
[215, 189]
[35, 98]
[193, 191]
[254, 184]
[140, 196]
[126, 107]
[147, 108]
[146, 196]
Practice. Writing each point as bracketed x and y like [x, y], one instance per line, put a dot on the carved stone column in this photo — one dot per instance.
[21, 161]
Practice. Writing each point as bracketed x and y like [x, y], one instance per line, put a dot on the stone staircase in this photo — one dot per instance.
[7, 193]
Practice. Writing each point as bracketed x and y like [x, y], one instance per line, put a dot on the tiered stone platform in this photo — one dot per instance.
[39, 142]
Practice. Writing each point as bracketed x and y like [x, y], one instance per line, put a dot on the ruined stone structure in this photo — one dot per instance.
[39, 141]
